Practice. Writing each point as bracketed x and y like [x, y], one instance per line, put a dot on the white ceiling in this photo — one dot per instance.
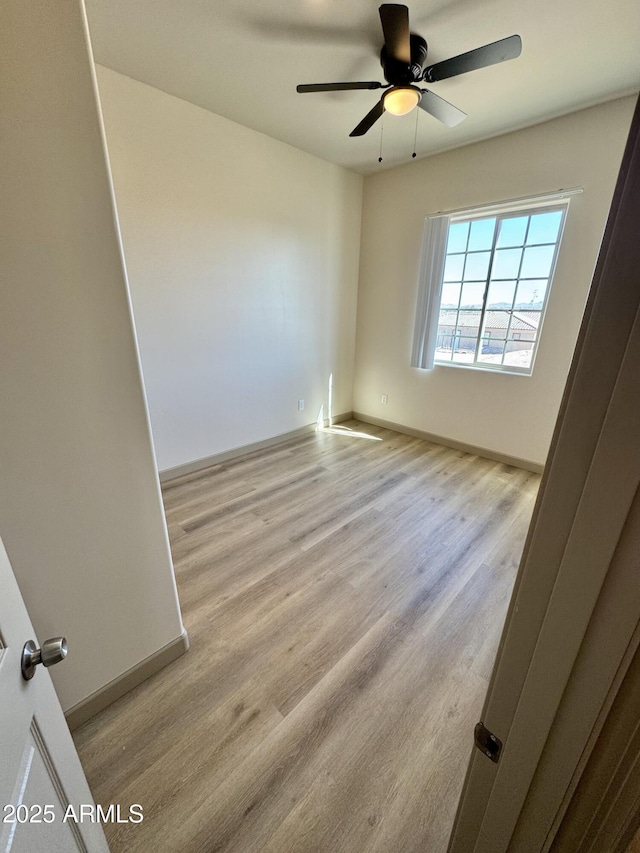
[242, 59]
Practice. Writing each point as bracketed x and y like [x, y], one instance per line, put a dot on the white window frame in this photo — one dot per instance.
[432, 273]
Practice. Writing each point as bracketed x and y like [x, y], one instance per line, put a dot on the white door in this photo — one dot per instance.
[574, 613]
[42, 784]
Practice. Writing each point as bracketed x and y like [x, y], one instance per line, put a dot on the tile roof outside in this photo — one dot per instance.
[522, 320]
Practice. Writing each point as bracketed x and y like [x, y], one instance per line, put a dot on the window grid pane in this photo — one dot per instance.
[503, 334]
[504, 350]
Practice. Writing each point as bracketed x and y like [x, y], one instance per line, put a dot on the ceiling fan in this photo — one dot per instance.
[403, 57]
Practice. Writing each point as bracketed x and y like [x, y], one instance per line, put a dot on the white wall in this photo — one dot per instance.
[509, 414]
[80, 511]
[242, 255]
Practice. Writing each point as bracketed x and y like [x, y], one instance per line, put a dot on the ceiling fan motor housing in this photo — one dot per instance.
[399, 73]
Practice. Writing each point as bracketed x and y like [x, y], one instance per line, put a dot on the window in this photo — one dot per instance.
[486, 280]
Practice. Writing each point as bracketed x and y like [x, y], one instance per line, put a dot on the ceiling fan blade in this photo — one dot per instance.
[441, 109]
[395, 26]
[337, 87]
[481, 57]
[369, 120]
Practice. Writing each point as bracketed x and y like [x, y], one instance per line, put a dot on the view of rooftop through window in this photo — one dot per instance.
[497, 274]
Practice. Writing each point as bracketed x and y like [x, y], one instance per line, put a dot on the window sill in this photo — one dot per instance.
[476, 367]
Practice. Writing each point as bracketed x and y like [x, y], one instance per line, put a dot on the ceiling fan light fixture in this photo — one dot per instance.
[401, 100]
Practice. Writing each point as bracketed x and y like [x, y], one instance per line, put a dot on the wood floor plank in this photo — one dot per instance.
[344, 598]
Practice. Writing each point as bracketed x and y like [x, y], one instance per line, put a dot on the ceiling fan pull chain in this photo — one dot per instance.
[381, 132]
[415, 137]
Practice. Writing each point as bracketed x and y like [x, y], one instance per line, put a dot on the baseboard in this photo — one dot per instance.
[99, 700]
[527, 464]
[217, 458]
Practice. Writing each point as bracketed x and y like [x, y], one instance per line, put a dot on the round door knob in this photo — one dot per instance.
[52, 652]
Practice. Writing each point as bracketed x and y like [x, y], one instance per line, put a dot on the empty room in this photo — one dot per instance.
[314, 427]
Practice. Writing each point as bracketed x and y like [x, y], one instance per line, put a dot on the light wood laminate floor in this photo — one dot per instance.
[344, 595]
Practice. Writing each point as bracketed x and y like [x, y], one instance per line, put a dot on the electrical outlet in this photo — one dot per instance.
[384, 399]
[300, 405]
